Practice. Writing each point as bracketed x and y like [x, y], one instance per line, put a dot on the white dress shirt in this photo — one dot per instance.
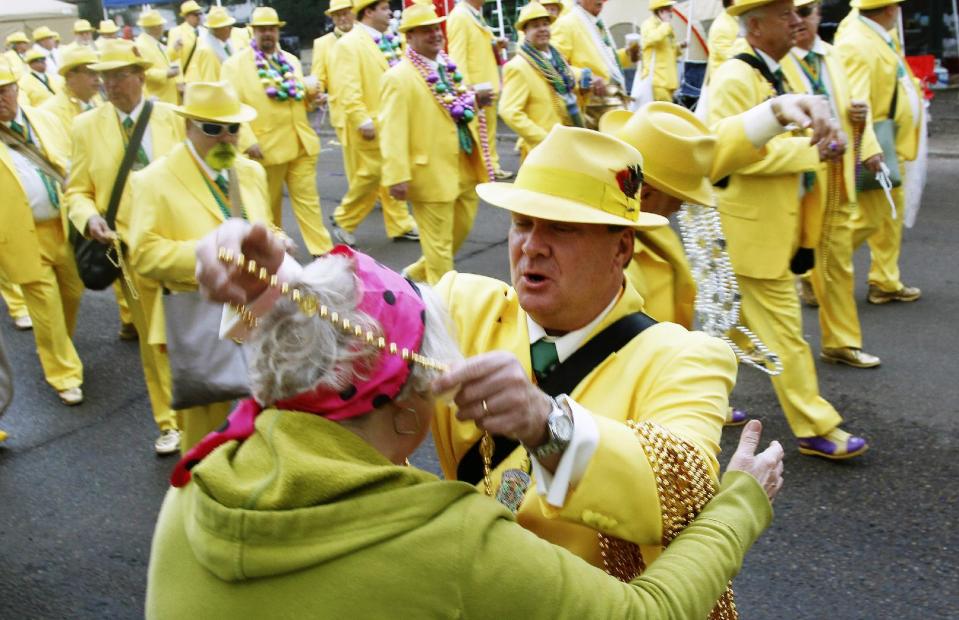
[147, 142]
[33, 186]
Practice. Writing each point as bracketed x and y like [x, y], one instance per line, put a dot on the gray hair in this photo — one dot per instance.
[290, 352]
[746, 16]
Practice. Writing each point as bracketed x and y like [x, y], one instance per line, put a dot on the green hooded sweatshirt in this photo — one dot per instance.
[306, 520]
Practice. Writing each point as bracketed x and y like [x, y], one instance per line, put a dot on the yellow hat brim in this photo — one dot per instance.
[548, 207]
[278, 23]
[520, 24]
[110, 65]
[429, 22]
[65, 69]
[738, 9]
[245, 115]
[362, 4]
[213, 26]
[866, 5]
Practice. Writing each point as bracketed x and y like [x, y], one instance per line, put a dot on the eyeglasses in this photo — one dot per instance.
[215, 129]
[807, 10]
[115, 76]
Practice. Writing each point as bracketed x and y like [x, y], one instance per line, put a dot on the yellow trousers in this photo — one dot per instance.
[835, 285]
[299, 176]
[53, 302]
[770, 308]
[197, 422]
[363, 173]
[156, 367]
[874, 223]
[13, 297]
[126, 315]
[444, 226]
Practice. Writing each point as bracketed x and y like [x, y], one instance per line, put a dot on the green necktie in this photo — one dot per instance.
[602, 32]
[813, 71]
[222, 184]
[18, 129]
[900, 70]
[780, 84]
[544, 357]
[226, 48]
[142, 158]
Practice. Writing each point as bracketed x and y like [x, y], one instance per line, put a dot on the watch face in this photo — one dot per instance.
[562, 427]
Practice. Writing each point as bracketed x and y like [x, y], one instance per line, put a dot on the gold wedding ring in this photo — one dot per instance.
[485, 408]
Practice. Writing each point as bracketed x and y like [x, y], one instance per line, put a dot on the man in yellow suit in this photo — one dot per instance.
[184, 196]
[161, 76]
[183, 38]
[360, 59]
[476, 50]
[220, 41]
[763, 241]
[341, 14]
[81, 87]
[660, 50]
[34, 252]
[107, 32]
[723, 33]
[17, 45]
[45, 41]
[433, 154]
[36, 86]
[100, 137]
[815, 64]
[539, 86]
[879, 74]
[271, 81]
[82, 36]
[583, 39]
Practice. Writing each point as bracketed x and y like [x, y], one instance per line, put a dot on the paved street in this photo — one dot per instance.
[875, 538]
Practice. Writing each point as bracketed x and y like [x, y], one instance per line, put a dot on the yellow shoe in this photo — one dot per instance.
[3, 436]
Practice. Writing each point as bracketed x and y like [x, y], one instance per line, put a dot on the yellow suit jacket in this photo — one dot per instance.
[15, 61]
[723, 33]
[759, 207]
[360, 66]
[32, 90]
[98, 147]
[66, 107]
[205, 66]
[418, 138]
[658, 38]
[321, 70]
[677, 379]
[282, 128]
[471, 47]
[158, 85]
[177, 209]
[19, 247]
[186, 33]
[871, 67]
[575, 43]
[528, 104]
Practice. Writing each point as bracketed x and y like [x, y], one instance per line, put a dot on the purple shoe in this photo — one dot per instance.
[735, 417]
[837, 445]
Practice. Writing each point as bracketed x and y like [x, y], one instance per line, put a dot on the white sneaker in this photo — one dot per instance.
[23, 323]
[168, 442]
[71, 396]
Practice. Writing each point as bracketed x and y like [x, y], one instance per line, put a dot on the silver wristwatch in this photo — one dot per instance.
[559, 427]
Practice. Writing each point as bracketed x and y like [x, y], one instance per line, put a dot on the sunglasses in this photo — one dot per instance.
[806, 11]
[215, 129]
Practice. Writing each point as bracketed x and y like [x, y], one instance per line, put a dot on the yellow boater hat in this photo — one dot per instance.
[148, 19]
[533, 10]
[108, 26]
[7, 73]
[359, 5]
[43, 32]
[119, 53]
[190, 7]
[417, 15]
[266, 16]
[866, 5]
[741, 6]
[76, 56]
[660, 4]
[218, 18]
[338, 5]
[34, 54]
[679, 148]
[17, 37]
[214, 102]
[579, 176]
[82, 25]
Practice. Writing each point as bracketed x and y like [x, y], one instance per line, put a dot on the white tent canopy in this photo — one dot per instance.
[28, 14]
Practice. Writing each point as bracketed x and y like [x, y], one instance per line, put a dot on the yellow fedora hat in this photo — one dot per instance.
[76, 56]
[741, 6]
[866, 5]
[338, 5]
[108, 26]
[218, 18]
[533, 10]
[8, 75]
[660, 4]
[34, 54]
[82, 25]
[679, 148]
[359, 5]
[190, 7]
[118, 53]
[215, 102]
[17, 37]
[266, 16]
[43, 32]
[579, 176]
[149, 19]
[417, 15]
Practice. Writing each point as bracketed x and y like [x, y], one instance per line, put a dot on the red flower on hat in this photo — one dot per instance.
[630, 180]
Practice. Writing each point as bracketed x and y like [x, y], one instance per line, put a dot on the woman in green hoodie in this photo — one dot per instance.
[302, 505]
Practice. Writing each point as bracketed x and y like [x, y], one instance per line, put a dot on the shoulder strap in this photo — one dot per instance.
[131, 153]
[189, 57]
[763, 68]
[563, 380]
[31, 152]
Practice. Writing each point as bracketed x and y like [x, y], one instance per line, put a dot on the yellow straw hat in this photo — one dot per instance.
[17, 37]
[218, 18]
[679, 148]
[190, 7]
[82, 25]
[338, 5]
[533, 10]
[149, 19]
[118, 53]
[266, 16]
[417, 15]
[741, 6]
[359, 5]
[545, 2]
[866, 5]
[108, 26]
[215, 102]
[43, 32]
[579, 176]
[7, 74]
[660, 4]
[34, 54]
[76, 56]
